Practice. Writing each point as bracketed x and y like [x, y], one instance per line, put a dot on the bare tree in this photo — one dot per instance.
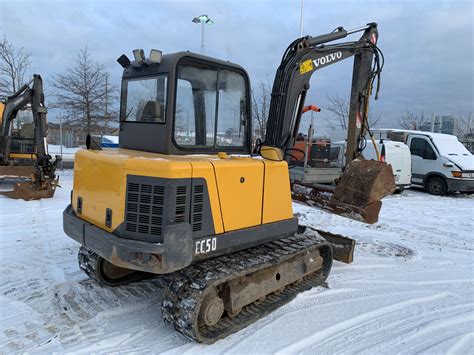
[339, 108]
[260, 108]
[411, 120]
[464, 127]
[13, 65]
[84, 96]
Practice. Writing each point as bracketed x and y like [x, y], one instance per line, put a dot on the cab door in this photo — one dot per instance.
[423, 158]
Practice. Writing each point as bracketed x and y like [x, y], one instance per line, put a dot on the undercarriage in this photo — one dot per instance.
[211, 299]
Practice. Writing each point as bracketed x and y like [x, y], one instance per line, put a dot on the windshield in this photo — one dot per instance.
[145, 100]
[23, 126]
[450, 146]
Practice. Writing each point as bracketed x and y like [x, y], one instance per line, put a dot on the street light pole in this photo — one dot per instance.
[203, 20]
[202, 37]
[61, 140]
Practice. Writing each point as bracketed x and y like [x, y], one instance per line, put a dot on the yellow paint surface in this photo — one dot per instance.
[306, 66]
[277, 204]
[204, 169]
[243, 192]
[240, 185]
[22, 156]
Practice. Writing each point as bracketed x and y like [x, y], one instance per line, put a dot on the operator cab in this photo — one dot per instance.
[23, 133]
[184, 103]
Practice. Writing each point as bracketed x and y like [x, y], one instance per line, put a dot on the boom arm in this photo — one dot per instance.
[301, 59]
[43, 180]
[26, 94]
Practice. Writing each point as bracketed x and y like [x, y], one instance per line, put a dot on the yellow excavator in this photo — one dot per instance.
[186, 197]
[23, 147]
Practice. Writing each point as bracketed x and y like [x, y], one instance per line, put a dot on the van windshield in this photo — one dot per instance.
[450, 146]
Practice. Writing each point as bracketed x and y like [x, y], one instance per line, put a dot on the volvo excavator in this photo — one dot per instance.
[23, 149]
[186, 197]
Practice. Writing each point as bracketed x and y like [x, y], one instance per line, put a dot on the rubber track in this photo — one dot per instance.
[89, 261]
[183, 295]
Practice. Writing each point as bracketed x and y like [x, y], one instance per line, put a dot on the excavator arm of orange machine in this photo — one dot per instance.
[363, 183]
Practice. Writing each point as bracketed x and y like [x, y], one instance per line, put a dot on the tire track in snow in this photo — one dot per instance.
[396, 332]
[463, 345]
[324, 335]
[436, 326]
[316, 301]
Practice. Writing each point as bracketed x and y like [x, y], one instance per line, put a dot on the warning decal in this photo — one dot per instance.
[306, 66]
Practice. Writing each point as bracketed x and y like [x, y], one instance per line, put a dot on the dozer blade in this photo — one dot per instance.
[28, 191]
[342, 247]
[16, 171]
[358, 193]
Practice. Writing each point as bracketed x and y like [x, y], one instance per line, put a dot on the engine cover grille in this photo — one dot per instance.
[152, 203]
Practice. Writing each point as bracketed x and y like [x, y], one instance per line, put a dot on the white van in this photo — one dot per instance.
[439, 162]
[397, 154]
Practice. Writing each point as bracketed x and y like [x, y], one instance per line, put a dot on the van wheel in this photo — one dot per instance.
[436, 186]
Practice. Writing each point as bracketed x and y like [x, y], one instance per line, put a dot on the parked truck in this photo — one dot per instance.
[395, 153]
[440, 163]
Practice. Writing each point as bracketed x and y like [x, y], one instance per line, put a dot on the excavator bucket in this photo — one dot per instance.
[27, 190]
[358, 193]
[364, 184]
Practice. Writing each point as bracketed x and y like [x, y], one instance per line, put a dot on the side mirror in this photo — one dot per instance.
[92, 143]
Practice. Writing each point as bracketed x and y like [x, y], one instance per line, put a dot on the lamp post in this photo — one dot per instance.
[61, 140]
[203, 20]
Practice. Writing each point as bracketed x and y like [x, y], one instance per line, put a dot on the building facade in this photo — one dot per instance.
[448, 124]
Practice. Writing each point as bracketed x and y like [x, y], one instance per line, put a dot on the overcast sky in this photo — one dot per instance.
[428, 45]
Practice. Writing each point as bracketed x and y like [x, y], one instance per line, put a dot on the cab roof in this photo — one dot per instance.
[169, 62]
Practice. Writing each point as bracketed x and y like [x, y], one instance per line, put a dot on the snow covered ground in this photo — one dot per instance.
[68, 153]
[409, 290]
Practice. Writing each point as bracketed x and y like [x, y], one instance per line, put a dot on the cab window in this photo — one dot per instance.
[421, 148]
[23, 133]
[145, 100]
[195, 113]
[210, 106]
[231, 122]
